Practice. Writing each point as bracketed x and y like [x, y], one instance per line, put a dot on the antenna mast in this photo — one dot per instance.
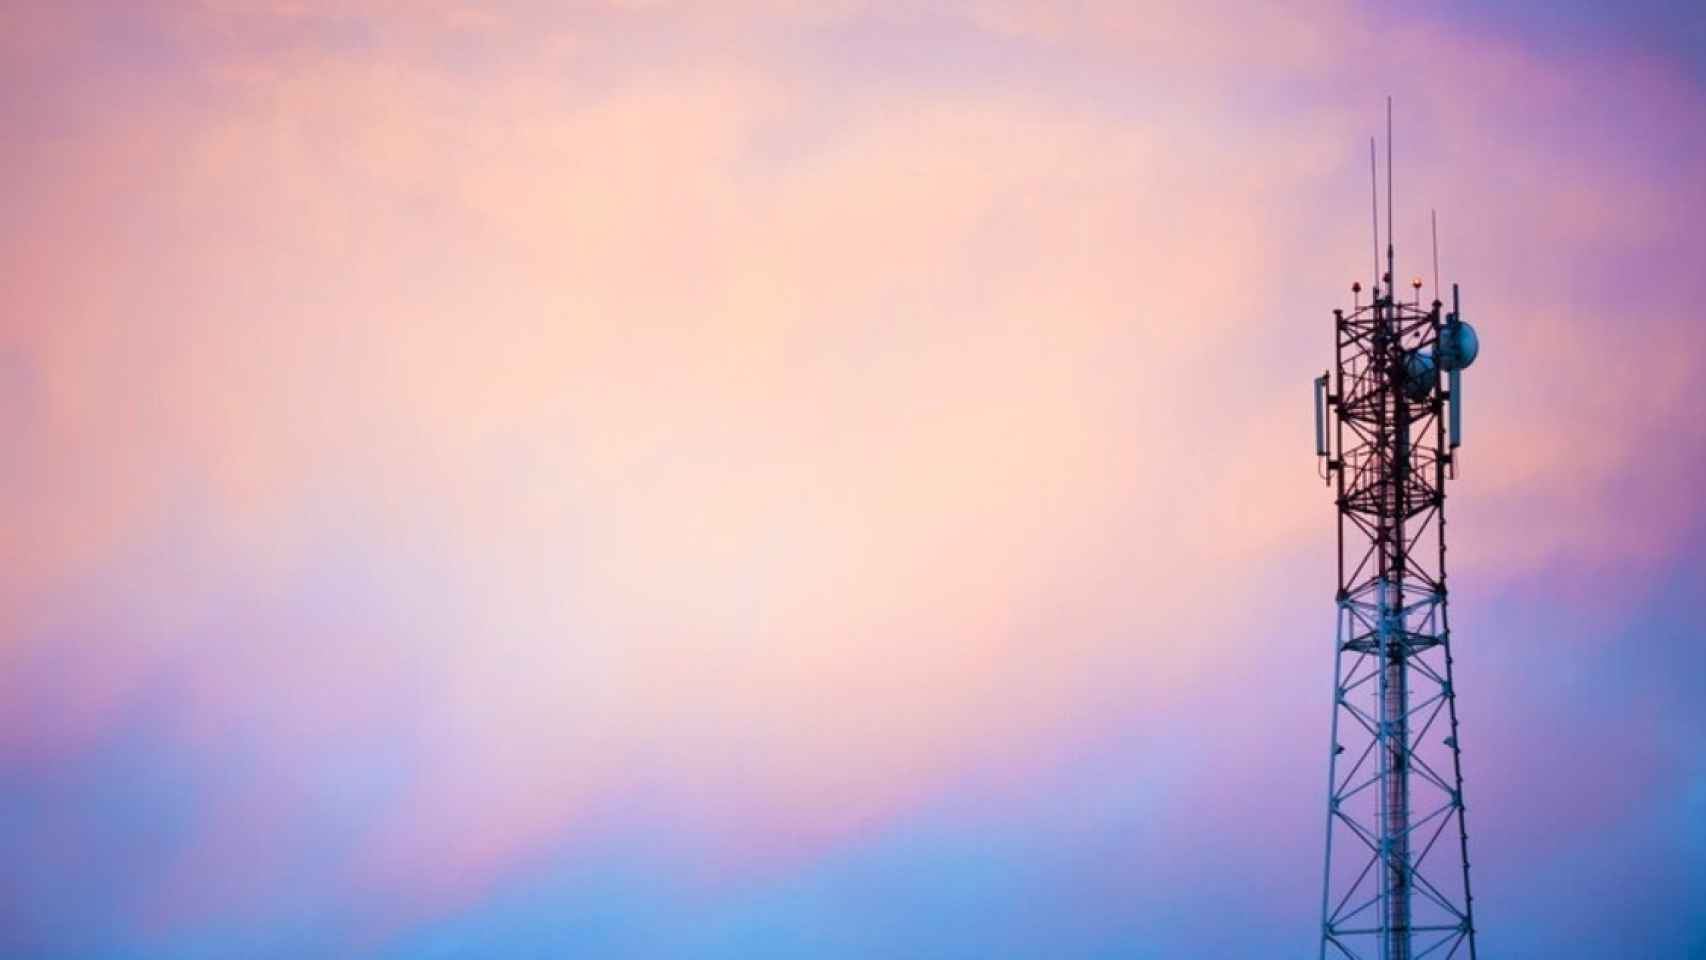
[1374, 210]
[1433, 223]
[1391, 276]
[1396, 886]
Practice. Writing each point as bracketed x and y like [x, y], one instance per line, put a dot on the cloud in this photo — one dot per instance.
[586, 421]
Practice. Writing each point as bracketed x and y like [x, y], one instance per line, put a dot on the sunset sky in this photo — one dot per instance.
[787, 479]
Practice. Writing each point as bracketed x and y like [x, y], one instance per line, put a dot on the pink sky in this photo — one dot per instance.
[456, 434]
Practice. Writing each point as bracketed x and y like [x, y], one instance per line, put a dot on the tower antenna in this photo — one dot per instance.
[1388, 425]
[1374, 209]
[1433, 221]
[1391, 273]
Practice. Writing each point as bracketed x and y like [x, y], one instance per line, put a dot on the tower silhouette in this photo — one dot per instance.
[1388, 424]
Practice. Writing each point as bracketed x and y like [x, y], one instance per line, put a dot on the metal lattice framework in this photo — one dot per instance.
[1396, 883]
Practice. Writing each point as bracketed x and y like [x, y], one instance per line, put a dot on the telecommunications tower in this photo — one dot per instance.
[1387, 430]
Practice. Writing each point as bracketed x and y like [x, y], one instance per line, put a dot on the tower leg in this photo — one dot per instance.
[1457, 781]
[1332, 778]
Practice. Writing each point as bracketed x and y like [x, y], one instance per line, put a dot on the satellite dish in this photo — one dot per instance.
[1458, 345]
[1420, 374]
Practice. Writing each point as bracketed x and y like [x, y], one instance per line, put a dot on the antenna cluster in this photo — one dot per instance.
[1456, 344]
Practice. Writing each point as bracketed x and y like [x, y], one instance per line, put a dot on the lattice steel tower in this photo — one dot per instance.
[1396, 884]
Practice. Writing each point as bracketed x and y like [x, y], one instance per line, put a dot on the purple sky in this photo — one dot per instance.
[781, 479]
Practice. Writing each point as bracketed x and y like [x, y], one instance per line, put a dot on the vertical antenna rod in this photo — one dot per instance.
[1433, 220]
[1374, 209]
[1391, 275]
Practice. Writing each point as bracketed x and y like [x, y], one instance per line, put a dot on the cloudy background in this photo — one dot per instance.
[787, 479]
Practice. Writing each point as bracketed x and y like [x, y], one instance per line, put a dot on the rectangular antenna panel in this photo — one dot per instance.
[1321, 415]
[1456, 409]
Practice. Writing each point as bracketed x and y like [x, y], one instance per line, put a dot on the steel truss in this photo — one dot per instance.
[1396, 883]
